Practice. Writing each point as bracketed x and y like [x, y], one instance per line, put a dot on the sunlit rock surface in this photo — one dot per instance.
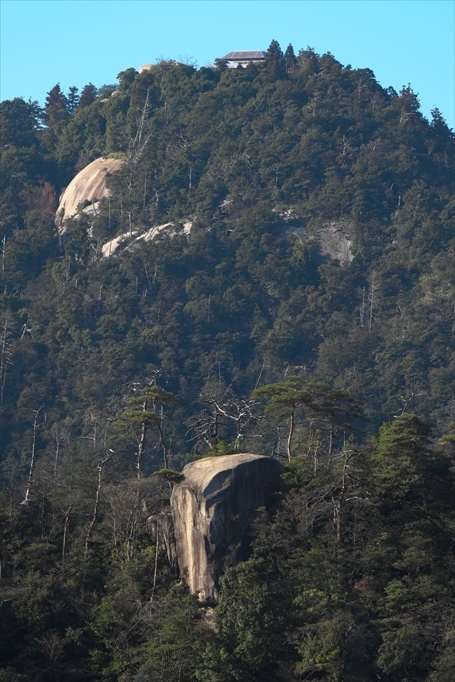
[129, 240]
[89, 186]
[213, 507]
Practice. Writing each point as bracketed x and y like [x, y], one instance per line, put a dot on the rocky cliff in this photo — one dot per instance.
[212, 508]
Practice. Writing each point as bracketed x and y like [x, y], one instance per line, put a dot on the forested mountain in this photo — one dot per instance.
[243, 334]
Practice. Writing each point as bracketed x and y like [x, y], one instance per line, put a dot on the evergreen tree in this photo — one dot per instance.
[290, 61]
[275, 65]
[88, 95]
[72, 100]
[56, 106]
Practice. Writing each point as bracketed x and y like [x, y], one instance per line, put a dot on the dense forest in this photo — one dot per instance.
[241, 335]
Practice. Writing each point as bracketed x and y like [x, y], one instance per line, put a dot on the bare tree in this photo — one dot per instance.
[223, 412]
[6, 353]
[100, 466]
[32, 456]
[372, 302]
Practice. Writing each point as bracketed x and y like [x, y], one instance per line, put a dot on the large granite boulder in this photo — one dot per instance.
[212, 508]
[85, 190]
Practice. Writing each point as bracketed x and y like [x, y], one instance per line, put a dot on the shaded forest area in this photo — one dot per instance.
[241, 336]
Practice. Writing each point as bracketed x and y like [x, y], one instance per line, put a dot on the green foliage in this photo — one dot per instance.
[168, 475]
[275, 63]
[406, 472]
[174, 654]
[252, 619]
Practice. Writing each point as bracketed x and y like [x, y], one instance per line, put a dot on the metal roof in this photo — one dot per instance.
[245, 56]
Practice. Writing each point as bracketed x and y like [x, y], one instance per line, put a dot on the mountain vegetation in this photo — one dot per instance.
[243, 335]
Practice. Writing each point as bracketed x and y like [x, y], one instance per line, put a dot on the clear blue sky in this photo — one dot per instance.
[74, 42]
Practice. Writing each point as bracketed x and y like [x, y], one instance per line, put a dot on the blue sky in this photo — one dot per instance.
[74, 42]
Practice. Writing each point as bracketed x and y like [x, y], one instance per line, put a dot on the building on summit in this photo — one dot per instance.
[235, 59]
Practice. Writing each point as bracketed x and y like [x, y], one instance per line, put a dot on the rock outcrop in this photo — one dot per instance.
[129, 240]
[331, 236]
[88, 187]
[212, 508]
[332, 239]
[334, 243]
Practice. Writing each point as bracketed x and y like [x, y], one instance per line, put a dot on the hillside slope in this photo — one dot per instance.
[283, 285]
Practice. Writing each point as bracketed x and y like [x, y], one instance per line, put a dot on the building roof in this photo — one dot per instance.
[245, 56]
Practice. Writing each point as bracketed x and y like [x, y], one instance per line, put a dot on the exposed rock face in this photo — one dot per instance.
[126, 242]
[335, 244]
[110, 247]
[160, 527]
[332, 236]
[89, 185]
[213, 507]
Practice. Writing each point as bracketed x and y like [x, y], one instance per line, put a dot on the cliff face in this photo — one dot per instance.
[213, 507]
